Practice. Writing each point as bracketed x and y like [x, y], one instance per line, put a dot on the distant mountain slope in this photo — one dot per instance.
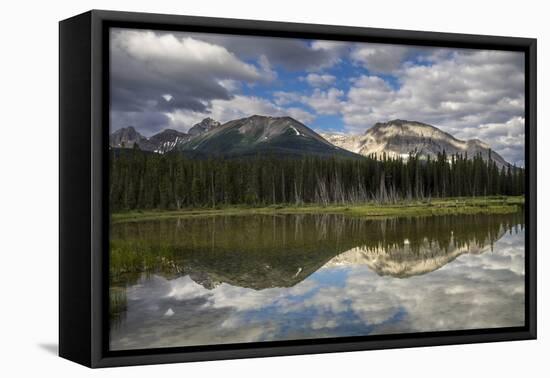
[260, 135]
[399, 138]
[167, 140]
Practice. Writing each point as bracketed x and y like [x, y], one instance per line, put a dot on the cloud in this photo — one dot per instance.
[148, 122]
[170, 54]
[147, 67]
[239, 106]
[243, 106]
[285, 98]
[380, 58]
[457, 92]
[325, 102]
[288, 53]
[334, 49]
[268, 73]
[301, 115]
[317, 80]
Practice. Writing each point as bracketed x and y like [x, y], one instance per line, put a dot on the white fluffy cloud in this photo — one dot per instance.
[169, 54]
[466, 90]
[325, 102]
[300, 114]
[285, 98]
[317, 80]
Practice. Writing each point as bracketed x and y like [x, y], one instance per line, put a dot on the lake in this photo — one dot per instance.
[233, 279]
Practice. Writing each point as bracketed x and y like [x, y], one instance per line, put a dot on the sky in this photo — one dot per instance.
[173, 80]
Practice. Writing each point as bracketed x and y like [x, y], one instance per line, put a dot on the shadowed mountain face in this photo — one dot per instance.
[166, 141]
[127, 137]
[261, 252]
[399, 138]
[263, 135]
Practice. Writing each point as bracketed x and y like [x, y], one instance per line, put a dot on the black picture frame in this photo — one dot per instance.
[84, 213]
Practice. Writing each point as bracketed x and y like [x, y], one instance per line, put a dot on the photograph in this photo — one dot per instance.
[265, 189]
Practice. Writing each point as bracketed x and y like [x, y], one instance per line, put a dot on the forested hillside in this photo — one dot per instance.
[141, 180]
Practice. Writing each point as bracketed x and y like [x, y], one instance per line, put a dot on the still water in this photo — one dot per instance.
[233, 279]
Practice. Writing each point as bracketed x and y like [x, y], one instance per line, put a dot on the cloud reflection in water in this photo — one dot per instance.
[483, 290]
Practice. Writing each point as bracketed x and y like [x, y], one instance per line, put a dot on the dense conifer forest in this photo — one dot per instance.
[141, 180]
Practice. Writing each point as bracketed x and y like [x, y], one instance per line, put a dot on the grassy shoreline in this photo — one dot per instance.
[439, 206]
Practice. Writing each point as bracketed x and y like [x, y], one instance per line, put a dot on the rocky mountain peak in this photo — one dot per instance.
[203, 126]
[128, 131]
[408, 129]
[126, 137]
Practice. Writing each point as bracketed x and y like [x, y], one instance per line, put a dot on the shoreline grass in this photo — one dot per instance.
[437, 206]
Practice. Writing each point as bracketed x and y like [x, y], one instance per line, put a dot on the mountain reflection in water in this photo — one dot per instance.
[205, 280]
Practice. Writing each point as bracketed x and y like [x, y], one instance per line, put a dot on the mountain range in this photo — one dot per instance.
[286, 136]
[238, 138]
